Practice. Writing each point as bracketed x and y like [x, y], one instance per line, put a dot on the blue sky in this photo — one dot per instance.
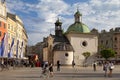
[39, 16]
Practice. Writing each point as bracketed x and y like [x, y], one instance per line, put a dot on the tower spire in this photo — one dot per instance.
[77, 8]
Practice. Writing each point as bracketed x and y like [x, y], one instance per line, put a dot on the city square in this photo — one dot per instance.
[59, 39]
[66, 73]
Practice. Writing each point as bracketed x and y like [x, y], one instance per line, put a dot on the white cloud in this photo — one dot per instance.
[35, 37]
[50, 9]
[16, 5]
[106, 14]
[100, 14]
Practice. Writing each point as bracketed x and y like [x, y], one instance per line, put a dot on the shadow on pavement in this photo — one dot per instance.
[28, 77]
[85, 75]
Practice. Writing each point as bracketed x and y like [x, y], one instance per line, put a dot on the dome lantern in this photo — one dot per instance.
[58, 28]
[78, 16]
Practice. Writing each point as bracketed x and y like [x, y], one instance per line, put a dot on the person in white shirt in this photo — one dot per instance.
[111, 67]
[105, 68]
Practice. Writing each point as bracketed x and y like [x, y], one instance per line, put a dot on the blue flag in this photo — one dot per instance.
[21, 53]
[10, 54]
[4, 46]
[17, 49]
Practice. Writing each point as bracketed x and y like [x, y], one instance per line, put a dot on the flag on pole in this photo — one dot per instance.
[21, 53]
[17, 55]
[4, 46]
[10, 54]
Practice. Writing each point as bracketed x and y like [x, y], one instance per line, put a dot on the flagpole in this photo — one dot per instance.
[10, 54]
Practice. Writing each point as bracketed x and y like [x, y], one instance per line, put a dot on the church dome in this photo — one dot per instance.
[78, 26]
[63, 47]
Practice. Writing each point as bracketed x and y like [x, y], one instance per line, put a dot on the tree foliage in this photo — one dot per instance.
[107, 53]
[86, 54]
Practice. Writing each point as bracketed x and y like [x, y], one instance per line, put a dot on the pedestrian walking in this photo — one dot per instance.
[51, 69]
[105, 68]
[94, 66]
[58, 65]
[111, 67]
[73, 63]
[45, 70]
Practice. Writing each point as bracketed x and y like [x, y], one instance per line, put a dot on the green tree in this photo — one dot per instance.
[107, 53]
[86, 55]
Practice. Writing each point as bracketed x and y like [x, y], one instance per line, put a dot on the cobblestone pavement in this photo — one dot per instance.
[66, 73]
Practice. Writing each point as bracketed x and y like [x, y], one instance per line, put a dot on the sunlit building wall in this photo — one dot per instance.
[17, 32]
[25, 40]
[11, 29]
[2, 19]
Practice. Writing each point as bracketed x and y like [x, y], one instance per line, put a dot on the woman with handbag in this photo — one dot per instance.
[111, 67]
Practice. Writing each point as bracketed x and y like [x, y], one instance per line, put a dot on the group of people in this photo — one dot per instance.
[47, 69]
[108, 67]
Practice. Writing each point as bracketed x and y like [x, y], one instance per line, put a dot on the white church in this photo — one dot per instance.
[70, 45]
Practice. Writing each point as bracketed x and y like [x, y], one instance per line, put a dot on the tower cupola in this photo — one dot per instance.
[58, 29]
[78, 16]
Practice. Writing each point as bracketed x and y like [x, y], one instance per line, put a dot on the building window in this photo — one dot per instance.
[0, 34]
[0, 24]
[66, 54]
[11, 28]
[84, 43]
[101, 41]
[4, 34]
[106, 42]
[8, 26]
[115, 38]
[4, 26]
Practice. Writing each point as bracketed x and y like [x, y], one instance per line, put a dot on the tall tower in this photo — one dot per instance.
[58, 28]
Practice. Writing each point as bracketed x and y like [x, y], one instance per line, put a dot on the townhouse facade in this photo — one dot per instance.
[14, 27]
[3, 22]
[110, 39]
[17, 32]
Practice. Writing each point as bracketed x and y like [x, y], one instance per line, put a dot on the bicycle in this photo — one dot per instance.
[45, 73]
[3, 67]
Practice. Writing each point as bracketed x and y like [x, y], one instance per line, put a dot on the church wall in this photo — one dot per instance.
[63, 58]
[77, 40]
[45, 54]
